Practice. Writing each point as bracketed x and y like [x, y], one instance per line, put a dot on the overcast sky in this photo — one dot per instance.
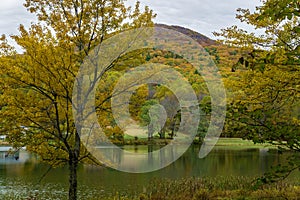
[204, 16]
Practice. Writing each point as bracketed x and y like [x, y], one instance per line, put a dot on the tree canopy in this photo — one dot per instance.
[265, 95]
[37, 85]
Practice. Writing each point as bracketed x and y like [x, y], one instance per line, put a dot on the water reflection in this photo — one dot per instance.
[139, 159]
[222, 161]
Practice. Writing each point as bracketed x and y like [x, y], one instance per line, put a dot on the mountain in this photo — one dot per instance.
[201, 39]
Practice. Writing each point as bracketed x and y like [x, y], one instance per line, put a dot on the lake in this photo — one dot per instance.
[23, 176]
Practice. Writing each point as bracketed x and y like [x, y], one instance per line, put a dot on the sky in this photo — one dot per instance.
[203, 16]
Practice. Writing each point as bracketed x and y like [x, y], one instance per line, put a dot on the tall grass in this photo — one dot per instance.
[213, 188]
[182, 189]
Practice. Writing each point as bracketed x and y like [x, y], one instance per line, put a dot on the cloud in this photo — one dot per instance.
[12, 13]
[204, 16]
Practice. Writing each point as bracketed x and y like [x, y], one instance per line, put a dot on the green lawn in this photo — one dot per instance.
[239, 142]
[230, 142]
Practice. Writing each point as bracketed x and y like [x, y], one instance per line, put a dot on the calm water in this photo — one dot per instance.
[23, 175]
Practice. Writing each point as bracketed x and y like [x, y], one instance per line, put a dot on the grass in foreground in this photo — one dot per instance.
[214, 188]
[185, 189]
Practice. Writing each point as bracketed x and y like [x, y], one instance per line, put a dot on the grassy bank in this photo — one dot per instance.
[230, 142]
[182, 189]
[214, 188]
[239, 142]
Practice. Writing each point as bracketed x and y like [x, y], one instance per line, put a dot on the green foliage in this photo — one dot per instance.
[264, 94]
[144, 113]
[37, 85]
[266, 97]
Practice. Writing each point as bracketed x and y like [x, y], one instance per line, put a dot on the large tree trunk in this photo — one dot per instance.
[73, 165]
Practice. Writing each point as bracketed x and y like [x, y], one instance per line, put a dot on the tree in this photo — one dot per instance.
[150, 118]
[37, 85]
[265, 100]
